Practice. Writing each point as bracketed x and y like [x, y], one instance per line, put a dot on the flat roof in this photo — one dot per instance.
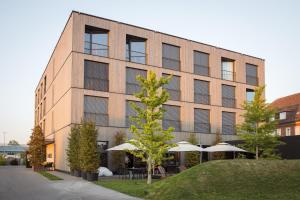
[164, 33]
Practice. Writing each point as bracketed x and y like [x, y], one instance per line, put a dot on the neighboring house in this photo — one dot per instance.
[288, 115]
[91, 75]
[13, 151]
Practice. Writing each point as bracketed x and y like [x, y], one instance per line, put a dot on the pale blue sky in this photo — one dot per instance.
[30, 30]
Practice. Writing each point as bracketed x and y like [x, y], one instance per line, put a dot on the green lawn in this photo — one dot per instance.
[135, 188]
[49, 176]
[223, 179]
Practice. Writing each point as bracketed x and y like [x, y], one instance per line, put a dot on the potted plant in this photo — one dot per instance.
[89, 156]
[73, 151]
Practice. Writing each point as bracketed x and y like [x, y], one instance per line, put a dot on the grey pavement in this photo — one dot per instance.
[17, 182]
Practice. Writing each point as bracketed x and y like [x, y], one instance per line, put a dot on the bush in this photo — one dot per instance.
[88, 153]
[14, 162]
[74, 149]
[2, 160]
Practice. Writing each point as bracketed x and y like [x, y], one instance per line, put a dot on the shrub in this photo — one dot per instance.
[118, 157]
[88, 154]
[74, 149]
[2, 160]
[192, 158]
[37, 148]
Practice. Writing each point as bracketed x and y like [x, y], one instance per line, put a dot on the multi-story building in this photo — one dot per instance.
[91, 75]
[288, 115]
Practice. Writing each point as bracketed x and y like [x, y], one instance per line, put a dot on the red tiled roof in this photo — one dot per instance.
[290, 100]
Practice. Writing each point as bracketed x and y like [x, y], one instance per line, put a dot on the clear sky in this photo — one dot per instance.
[29, 30]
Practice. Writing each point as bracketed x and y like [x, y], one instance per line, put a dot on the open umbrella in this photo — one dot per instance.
[223, 147]
[123, 147]
[184, 146]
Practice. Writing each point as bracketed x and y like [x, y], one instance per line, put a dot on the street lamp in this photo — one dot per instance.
[4, 138]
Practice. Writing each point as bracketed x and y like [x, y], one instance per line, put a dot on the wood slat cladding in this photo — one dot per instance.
[65, 81]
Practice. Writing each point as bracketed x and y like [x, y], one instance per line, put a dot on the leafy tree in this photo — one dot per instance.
[150, 137]
[258, 127]
[2, 160]
[192, 158]
[118, 156]
[13, 142]
[37, 148]
[74, 148]
[88, 153]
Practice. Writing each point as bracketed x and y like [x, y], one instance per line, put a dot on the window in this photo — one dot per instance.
[201, 92]
[131, 112]
[96, 41]
[201, 120]
[228, 123]
[96, 110]
[132, 85]
[250, 95]
[171, 117]
[282, 115]
[287, 131]
[45, 84]
[251, 74]
[36, 100]
[201, 63]
[135, 49]
[173, 87]
[44, 108]
[170, 57]
[95, 76]
[278, 131]
[42, 89]
[228, 96]
[228, 69]
[41, 111]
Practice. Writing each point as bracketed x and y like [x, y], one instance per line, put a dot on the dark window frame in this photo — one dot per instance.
[171, 91]
[89, 30]
[206, 126]
[225, 73]
[95, 113]
[86, 77]
[201, 66]
[228, 102]
[130, 83]
[129, 51]
[171, 59]
[204, 97]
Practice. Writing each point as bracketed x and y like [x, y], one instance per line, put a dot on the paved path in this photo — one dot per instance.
[17, 182]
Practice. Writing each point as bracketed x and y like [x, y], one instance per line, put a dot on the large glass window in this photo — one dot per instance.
[130, 112]
[95, 76]
[173, 87]
[170, 57]
[228, 69]
[96, 110]
[132, 84]
[228, 123]
[201, 92]
[228, 96]
[96, 41]
[171, 117]
[201, 63]
[201, 120]
[251, 74]
[250, 94]
[135, 49]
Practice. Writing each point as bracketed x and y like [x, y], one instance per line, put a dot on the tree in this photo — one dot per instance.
[149, 136]
[37, 148]
[88, 153]
[13, 142]
[74, 148]
[258, 126]
[192, 158]
[118, 156]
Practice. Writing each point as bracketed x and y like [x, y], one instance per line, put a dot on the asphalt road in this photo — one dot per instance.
[17, 182]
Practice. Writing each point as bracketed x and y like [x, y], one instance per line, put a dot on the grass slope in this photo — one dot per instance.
[233, 179]
[49, 176]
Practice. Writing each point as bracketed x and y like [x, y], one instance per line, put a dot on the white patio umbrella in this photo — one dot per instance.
[184, 146]
[223, 147]
[123, 147]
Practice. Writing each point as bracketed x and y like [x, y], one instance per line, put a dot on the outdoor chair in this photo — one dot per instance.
[162, 171]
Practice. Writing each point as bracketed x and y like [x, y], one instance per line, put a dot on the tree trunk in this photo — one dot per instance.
[149, 178]
[256, 152]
